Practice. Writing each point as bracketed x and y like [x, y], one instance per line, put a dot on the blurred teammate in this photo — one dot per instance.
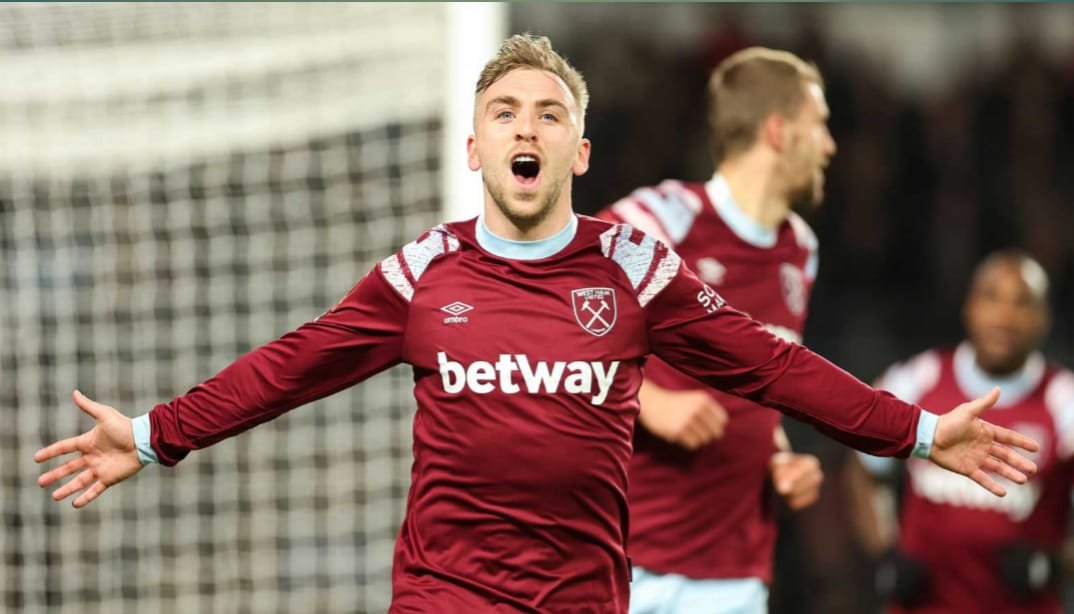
[702, 514]
[526, 329]
[958, 551]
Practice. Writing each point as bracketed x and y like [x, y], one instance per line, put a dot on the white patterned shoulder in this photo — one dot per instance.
[404, 269]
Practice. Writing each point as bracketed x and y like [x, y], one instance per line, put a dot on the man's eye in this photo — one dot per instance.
[505, 115]
[550, 117]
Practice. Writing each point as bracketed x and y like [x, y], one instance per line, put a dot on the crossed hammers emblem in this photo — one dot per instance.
[597, 313]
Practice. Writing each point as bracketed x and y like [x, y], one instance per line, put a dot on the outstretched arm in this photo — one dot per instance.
[693, 330]
[356, 339]
[359, 337]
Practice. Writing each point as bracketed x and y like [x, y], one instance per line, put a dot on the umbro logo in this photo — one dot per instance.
[456, 310]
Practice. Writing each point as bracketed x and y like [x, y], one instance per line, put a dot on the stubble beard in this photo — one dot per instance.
[809, 195]
[520, 220]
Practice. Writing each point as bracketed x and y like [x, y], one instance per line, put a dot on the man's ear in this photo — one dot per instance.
[471, 153]
[772, 132]
[581, 161]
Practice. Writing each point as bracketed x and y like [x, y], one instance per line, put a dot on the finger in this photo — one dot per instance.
[805, 490]
[81, 481]
[1014, 459]
[715, 419]
[701, 432]
[778, 466]
[786, 478]
[62, 471]
[92, 493]
[982, 404]
[781, 457]
[64, 446]
[718, 412]
[688, 438]
[804, 466]
[807, 480]
[691, 442]
[814, 477]
[91, 407]
[797, 469]
[1013, 438]
[803, 499]
[997, 466]
[708, 425]
[988, 483]
[721, 415]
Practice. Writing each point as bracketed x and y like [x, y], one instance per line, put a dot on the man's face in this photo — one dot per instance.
[1005, 316]
[527, 142]
[809, 147]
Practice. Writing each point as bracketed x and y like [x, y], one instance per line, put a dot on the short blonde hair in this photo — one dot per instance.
[530, 51]
[747, 87]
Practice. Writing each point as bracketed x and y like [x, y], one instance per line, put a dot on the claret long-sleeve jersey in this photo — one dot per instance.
[527, 360]
[945, 524]
[710, 513]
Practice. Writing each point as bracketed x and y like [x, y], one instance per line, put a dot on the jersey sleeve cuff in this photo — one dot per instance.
[926, 431]
[143, 440]
[881, 466]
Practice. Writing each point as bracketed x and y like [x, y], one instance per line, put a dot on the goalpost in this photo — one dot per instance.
[180, 183]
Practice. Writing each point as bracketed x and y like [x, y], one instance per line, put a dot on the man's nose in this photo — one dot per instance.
[525, 129]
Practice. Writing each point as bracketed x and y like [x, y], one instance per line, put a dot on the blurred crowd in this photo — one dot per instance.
[922, 187]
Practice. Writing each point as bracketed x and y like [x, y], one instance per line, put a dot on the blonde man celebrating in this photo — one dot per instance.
[527, 328]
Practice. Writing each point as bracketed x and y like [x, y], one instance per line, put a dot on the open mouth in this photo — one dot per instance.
[526, 168]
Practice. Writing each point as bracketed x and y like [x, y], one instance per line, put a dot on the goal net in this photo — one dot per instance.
[180, 183]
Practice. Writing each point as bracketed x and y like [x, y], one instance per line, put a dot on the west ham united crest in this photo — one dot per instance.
[595, 309]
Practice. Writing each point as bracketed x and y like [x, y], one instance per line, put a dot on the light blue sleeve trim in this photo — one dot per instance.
[879, 466]
[143, 441]
[926, 431]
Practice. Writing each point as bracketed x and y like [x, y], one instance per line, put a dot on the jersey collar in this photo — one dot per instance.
[1013, 388]
[745, 227]
[525, 250]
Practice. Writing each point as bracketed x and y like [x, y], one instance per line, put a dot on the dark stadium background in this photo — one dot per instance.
[928, 178]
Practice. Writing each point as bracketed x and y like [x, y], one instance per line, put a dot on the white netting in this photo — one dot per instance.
[178, 184]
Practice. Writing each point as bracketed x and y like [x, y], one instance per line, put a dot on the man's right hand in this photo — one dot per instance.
[688, 418]
[106, 454]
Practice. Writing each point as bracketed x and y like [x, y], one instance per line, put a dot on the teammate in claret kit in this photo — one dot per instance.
[957, 551]
[702, 519]
[518, 495]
